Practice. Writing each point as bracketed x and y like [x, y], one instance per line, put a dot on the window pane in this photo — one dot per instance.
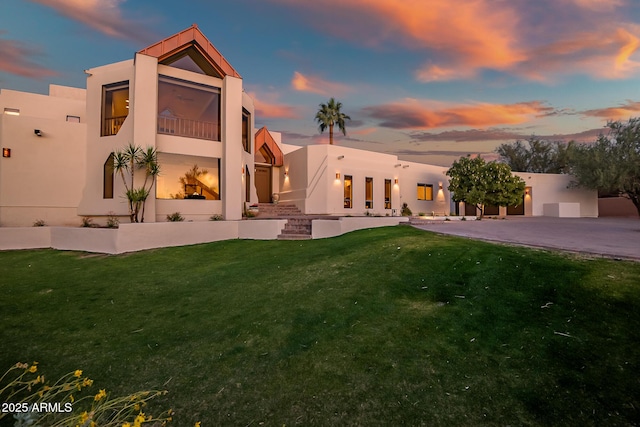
[348, 191]
[107, 186]
[115, 107]
[246, 131]
[188, 177]
[368, 203]
[428, 192]
[421, 191]
[387, 194]
[188, 109]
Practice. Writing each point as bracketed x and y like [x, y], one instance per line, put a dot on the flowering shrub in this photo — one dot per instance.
[25, 395]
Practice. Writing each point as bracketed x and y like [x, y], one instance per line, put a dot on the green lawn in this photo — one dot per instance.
[391, 326]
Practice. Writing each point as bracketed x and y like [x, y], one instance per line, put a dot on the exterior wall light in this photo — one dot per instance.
[396, 181]
[340, 157]
[440, 185]
[338, 175]
[6, 152]
[526, 191]
[38, 132]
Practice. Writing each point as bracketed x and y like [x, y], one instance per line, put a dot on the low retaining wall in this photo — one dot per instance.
[137, 237]
[323, 228]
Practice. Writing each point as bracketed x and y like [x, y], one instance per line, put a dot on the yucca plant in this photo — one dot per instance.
[125, 163]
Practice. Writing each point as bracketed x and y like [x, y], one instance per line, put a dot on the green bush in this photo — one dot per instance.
[175, 217]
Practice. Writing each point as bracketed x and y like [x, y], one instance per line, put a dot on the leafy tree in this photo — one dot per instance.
[536, 155]
[329, 115]
[612, 163]
[476, 182]
[125, 163]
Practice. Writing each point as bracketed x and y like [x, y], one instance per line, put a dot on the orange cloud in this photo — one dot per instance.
[104, 16]
[272, 110]
[15, 58]
[622, 112]
[315, 84]
[413, 114]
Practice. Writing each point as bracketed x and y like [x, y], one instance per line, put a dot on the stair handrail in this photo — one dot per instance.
[316, 177]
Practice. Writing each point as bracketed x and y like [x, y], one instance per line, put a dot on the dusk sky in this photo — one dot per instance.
[429, 80]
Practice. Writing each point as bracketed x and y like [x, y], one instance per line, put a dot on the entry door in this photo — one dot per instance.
[263, 183]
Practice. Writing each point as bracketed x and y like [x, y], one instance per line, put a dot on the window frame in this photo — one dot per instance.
[110, 125]
[387, 194]
[348, 194]
[368, 190]
[108, 177]
[425, 187]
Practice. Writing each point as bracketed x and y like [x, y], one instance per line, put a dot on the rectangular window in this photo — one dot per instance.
[425, 192]
[115, 107]
[387, 194]
[246, 130]
[348, 191]
[247, 187]
[188, 177]
[368, 193]
[73, 119]
[107, 182]
[188, 109]
[12, 111]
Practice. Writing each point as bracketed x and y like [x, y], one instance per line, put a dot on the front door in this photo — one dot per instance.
[263, 183]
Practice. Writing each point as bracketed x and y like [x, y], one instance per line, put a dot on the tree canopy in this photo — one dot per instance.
[612, 163]
[329, 115]
[536, 155]
[476, 182]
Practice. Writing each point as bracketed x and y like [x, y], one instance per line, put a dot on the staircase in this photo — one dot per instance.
[296, 229]
[272, 210]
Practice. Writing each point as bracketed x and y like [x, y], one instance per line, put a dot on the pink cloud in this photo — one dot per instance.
[104, 16]
[271, 109]
[16, 58]
[533, 40]
[621, 112]
[414, 114]
[317, 85]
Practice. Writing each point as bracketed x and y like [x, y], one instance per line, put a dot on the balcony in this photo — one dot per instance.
[189, 128]
[111, 125]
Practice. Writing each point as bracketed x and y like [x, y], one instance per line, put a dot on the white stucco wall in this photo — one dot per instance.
[44, 177]
[552, 188]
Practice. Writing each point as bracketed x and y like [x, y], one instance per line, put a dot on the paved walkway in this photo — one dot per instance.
[608, 237]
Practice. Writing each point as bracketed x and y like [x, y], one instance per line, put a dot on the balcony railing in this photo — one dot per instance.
[188, 128]
[111, 125]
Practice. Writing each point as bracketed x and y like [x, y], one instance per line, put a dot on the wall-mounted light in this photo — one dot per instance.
[526, 191]
[396, 181]
[405, 166]
[286, 173]
[440, 185]
[38, 132]
[338, 175]
[340, 157]
[6, 152]
[397, 165]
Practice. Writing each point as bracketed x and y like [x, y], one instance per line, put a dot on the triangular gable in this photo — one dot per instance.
[193, 43]
[263, 137]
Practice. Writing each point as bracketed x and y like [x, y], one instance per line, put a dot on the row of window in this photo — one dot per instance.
[425, 192]
[185, 109]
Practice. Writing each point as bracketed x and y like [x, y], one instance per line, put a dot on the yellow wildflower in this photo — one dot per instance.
[197, 424]
[84, 417]
[33, 368]
[77, 373]
[73, 399]
[126, 424]
[87, 382]
[102, 393]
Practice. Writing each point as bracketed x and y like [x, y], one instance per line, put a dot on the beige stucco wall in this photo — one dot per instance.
[43, 178]
[552, 188]
[412, 174]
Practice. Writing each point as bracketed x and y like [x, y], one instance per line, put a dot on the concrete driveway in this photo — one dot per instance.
[608, 237]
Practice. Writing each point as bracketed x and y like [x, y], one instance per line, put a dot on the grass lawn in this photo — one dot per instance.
[390, 326]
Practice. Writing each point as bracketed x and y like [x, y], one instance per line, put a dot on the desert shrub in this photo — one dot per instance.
[175, 217]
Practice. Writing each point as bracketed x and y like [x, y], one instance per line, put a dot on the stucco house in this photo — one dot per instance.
[182, 97]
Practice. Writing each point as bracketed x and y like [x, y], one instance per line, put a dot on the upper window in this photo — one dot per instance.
[12, 111]
[425, 192]
[73, 119]
[188, 109]
[246, 130]
[115, 107]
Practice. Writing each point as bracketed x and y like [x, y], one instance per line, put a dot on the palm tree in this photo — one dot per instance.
[126, 162]
[329, 115]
